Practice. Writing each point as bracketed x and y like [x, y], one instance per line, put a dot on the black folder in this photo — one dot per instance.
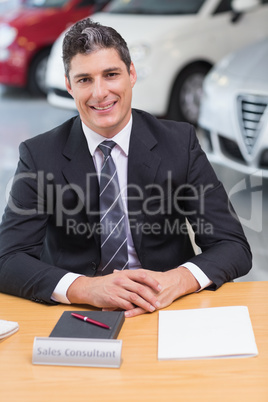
[71, 327]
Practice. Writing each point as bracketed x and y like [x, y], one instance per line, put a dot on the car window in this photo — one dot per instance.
[225, 5]
[46, 3]
[7, 5]
[99, 4]
[83, 3]
[154, 6]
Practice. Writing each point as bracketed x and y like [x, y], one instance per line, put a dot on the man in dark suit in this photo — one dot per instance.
[51, 243]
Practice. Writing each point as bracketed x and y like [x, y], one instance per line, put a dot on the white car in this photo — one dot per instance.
[173, 45]
[234, 134]
[234, 111]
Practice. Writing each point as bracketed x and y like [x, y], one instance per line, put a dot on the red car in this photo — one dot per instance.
[27, 34]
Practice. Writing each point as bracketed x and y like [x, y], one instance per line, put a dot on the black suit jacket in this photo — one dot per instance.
[50, 225]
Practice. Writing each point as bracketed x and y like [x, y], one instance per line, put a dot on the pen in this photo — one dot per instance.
[86, 319]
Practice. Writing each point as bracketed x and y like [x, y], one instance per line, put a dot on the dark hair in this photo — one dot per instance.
[87, 36]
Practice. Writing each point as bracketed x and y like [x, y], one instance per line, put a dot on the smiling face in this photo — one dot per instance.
[102, 89]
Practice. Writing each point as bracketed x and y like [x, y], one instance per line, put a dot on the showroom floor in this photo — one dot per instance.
[22, 117]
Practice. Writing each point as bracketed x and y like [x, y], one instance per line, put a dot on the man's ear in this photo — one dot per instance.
[133, 75]
[68, 86]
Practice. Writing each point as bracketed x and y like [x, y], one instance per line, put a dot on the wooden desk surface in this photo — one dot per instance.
[141, 376]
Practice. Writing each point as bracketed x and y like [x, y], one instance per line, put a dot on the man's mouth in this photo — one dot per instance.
[104, 107]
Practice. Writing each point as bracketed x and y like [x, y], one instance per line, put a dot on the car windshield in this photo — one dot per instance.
[45, 3]
[154, 6]
[7, 5]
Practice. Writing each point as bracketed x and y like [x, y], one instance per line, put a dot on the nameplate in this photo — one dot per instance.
[77, 352]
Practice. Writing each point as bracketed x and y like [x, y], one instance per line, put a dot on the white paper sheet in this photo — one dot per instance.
[215, 332]
[8, 328]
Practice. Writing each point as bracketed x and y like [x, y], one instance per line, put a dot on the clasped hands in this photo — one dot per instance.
[135, 291]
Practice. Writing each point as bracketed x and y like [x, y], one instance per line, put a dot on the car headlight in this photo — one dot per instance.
[219, 73]
[7, 35]
[139, 52]
[217, 78]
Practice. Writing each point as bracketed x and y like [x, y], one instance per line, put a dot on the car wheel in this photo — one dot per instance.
[186, 94]
[37, 74]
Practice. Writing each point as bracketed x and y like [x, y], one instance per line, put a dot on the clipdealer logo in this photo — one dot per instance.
[247, 194]
[67, 200]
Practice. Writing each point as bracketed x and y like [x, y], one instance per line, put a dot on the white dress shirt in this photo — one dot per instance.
[120, 156]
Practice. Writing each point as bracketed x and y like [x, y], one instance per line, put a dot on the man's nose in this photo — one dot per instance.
[99, 89]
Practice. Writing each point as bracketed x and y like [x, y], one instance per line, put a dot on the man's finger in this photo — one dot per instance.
[134, 312]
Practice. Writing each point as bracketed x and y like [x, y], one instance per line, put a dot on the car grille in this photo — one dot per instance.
[251, 109]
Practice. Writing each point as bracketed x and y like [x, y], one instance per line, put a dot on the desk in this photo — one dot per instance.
[141, 376]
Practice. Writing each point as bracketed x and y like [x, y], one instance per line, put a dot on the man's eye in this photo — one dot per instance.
[111, 75]
[82, 80]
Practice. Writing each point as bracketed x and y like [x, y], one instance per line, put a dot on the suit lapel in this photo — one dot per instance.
[80, 171]
[143, 163]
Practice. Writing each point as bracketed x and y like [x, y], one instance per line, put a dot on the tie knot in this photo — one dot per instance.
[106, 147]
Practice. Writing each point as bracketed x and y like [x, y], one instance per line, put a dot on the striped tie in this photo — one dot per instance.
[114, 253]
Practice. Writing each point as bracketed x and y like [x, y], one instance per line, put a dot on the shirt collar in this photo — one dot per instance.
[122, 138]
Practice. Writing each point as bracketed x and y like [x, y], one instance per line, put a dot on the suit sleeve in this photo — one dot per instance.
[22, 234]
[225, 253]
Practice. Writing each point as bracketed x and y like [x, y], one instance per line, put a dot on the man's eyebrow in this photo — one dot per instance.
[110, 69]
[81, 75]
[106, 70]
